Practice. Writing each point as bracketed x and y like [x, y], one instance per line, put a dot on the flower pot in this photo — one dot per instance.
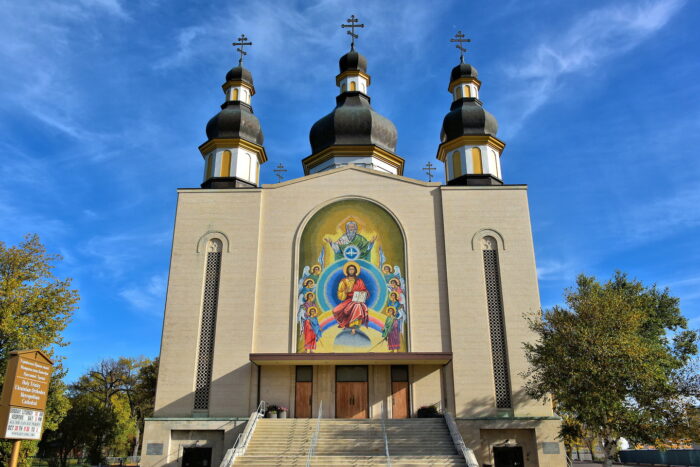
[282, 415]
[271, 415]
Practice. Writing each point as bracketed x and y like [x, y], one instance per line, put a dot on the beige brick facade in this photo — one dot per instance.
[260, 230]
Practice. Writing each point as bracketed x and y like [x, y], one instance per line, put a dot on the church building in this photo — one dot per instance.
[353, 300]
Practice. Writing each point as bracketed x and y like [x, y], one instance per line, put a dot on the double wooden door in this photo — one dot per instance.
[351, 399]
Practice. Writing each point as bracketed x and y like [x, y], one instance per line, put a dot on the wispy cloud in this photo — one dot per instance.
[555, 270]
[595, 37]
[663, 216]
[149, 297]
[119, 253]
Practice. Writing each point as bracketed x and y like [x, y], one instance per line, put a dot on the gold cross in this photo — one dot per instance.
[242, 41]
[352, 20]
[459, 39]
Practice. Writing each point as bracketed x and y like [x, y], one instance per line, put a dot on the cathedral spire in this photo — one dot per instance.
[234, 148]
[469, 148]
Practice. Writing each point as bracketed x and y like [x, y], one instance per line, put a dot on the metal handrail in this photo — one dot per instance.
[462, 448]
[386, 440]
[314, 436]
[242, 440]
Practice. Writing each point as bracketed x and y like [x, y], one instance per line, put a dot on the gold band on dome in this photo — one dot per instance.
[345, 74]
[469, 140]
[454, 83]
[207, 147]
[369, 150]
[230, 84]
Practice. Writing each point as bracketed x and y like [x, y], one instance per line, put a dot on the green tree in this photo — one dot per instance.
[35, 308]
[615, 359]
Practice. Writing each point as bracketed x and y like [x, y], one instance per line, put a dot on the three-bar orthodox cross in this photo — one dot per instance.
[429, 168]
[242, 41]
[459, 39]
[279, 171]
[353, 24]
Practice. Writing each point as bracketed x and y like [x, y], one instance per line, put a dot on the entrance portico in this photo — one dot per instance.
[354, 385]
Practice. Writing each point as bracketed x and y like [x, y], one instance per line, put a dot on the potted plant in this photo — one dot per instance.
[271, 411]
[282, 412]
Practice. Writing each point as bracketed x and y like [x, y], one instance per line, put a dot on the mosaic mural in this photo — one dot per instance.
[352, 287]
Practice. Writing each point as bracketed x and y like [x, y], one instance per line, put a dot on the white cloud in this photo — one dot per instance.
[595, 37]
[148, 297]
[555, 270]
[120, 253]
[664, 216]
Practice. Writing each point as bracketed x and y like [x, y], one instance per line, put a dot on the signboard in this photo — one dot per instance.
[24, 423]
[24, 394]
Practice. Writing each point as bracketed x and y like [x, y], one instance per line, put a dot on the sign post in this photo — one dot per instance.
[23, 398]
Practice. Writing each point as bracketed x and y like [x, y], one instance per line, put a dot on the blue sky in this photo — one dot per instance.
[104, 102]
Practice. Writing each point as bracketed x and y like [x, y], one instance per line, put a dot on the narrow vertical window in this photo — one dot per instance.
[467, 92]
[456, 164]
[343, 88]
[210, 301]
[476, 161]
[499, 352]
[226, 164]
[353, 86]
[234, 95]
[459, 94]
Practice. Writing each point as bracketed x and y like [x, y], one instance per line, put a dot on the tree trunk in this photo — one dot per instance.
[136, 445]
[608, 446]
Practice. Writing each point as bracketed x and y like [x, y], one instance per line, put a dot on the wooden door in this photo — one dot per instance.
[302, 400]
[351, 400]
[399, 399]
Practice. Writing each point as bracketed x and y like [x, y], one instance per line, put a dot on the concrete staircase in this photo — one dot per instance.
[412, 442]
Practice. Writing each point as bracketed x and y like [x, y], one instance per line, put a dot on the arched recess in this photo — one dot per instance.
[226, 164]
[456, 164]
[353, 86]
[334, 237]
[209, 235]
[234, 95]
[486, 233]
[477, 166]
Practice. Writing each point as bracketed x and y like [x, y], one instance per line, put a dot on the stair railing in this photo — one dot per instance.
[462, 448]
[314, 436]
[386, 439]
[242, 440]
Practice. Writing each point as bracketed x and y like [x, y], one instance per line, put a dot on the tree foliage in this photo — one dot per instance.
[35, 308]
[615, 359]
[109, 404]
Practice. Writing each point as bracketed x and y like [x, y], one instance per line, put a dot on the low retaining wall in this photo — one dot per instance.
[668, 457]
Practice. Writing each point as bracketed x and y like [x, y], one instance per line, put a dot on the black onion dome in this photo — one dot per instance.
[236, 120]
[353, 122]
[463, 70]
[353, 61]
[240, 74]
[468, 117]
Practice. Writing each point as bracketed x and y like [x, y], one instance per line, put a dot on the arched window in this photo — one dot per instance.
[456, 164]
[353, 86]
[467, 91]
[458, 92]
[476, 161]
[251, 168]
[494, 303]
[343, 88]
[226, 164]
[363, 88]
[234, 95]
[207, 329]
